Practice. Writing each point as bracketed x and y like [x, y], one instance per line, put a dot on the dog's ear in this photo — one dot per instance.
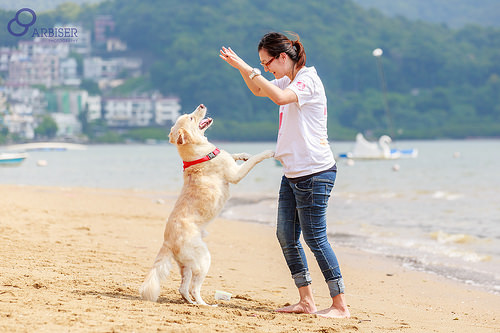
[171, 136]
[181, 137]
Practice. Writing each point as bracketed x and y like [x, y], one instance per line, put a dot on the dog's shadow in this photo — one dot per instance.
[124, 295]
[174, 299]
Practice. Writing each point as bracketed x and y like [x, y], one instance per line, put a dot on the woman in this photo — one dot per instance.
[308, 163]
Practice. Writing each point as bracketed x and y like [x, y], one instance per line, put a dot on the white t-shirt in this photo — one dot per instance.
[302, 146]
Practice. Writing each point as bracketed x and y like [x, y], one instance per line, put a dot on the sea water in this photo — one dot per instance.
[439, 212]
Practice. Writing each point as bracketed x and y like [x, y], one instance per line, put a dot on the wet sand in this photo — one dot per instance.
[73, 260]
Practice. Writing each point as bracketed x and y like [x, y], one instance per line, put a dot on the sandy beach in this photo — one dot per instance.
[73, 260]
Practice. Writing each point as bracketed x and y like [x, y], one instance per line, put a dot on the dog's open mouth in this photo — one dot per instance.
[205, 123]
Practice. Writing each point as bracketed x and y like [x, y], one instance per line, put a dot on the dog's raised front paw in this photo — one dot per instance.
[269, 153]
[241, 157]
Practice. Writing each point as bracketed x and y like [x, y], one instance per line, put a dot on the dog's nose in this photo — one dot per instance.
[202, 106]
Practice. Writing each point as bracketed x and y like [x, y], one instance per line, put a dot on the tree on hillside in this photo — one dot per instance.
[47, 128]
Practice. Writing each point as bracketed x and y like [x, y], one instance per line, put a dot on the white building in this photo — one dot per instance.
[68, 72]
[5, 54]
[27, 95]
[68, 125]
[128, 112]
[20, 124]
[19, 120]
[115, 44]
[3, 101]
[43, 46]
[94, 108]
[96, 68]
[82, 42]
[39, 69]
[166, 110]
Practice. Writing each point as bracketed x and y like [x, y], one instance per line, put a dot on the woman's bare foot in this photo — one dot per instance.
[300, 307]
[334, 313]
[337, 310]
[305, 305]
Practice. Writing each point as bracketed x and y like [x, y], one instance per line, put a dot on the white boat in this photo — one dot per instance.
[12, 159]
[381, 150]
[46, 146]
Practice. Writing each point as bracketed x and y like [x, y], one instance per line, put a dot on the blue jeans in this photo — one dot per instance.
[302, 209]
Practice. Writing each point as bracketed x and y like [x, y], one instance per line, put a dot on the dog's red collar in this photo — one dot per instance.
[203, 159]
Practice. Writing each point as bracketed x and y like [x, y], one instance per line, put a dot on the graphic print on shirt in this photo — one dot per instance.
[282, 109]
[300, 85]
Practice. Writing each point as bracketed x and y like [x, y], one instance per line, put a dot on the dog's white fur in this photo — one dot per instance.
[205, 191]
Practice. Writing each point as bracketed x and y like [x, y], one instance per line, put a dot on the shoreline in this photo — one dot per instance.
[75, 257]
[258, 208]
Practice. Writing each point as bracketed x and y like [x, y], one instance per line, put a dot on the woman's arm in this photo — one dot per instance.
[259, 85]
[232, 59]
[274, 93]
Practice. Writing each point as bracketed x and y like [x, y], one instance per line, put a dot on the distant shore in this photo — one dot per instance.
[73, 259]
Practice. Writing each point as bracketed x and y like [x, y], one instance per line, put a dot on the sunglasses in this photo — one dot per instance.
[266, 65]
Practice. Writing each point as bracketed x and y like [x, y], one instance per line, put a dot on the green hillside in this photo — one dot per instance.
[455, 13]
[39, 5]
[441, 82]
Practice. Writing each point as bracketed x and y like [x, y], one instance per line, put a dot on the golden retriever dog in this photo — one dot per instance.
[207, 174]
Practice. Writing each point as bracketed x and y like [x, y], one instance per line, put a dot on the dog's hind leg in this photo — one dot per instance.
[151, 287]
[187, 274]
[200, 273]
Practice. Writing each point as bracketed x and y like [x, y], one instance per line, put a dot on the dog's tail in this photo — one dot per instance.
[151, 287]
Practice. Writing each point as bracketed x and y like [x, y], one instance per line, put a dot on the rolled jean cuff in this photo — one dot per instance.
[302, 279]
[336, 287]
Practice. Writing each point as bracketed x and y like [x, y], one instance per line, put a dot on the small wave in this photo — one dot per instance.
[467, 256]
[445, 238]
[447, 195]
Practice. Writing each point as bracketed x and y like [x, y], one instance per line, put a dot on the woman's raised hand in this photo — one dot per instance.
[229, 56]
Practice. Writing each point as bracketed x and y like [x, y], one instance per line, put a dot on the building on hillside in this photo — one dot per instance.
[3, 101]
[115, 45]
[24, 94]
[96, 68]
[68, 72]
[104, 26]
[68, 125]
[128, 112]
[20, 108]
[22, 125]
[3, 107]
[82, 43]
[94, 109]
[166, 110]
[18, 118]
[39, 46]
[66, 101]
[141, 111]
[40, 69]
[5, 54]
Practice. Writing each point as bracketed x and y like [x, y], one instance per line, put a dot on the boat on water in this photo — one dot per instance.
[381, 150]
[46, 146]
[12, 159]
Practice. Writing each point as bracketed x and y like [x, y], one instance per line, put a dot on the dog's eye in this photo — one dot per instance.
[190, 118]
